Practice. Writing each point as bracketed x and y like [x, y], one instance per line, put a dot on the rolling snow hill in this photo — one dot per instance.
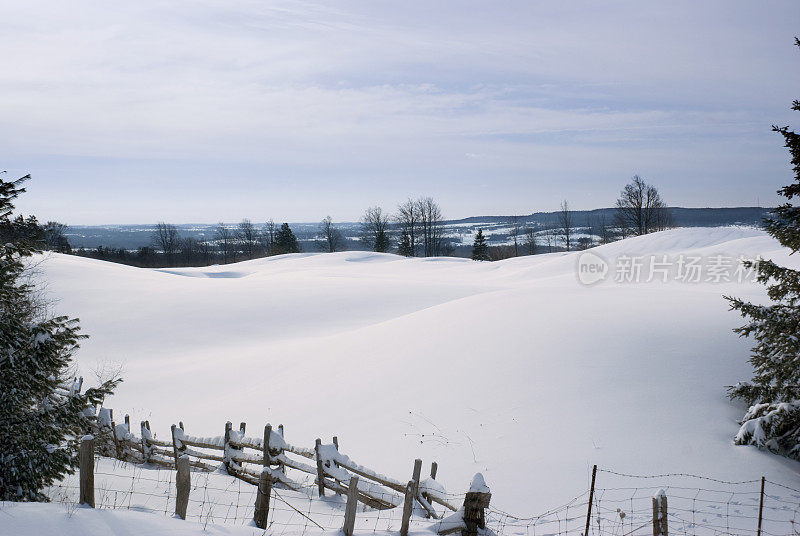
[512, 368]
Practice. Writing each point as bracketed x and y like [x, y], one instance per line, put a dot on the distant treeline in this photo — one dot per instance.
[168, 248]
[415, 228]
[131, 237]
[681, 216]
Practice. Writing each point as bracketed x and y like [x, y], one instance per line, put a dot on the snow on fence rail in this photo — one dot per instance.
[619, 507]
[285, 477]
[264, 462]
[470, 520]
[247, 458]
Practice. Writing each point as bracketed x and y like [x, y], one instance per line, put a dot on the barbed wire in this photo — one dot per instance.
[782, 486]
[670, 475]
[717, 508]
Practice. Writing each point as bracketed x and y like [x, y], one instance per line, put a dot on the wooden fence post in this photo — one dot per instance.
[429, 512]
[408, 506]
[86, 463]
[267, 462]
[281, 465]
[416, 476]
[177, 446]
[475, 502]
[417, 471]
[226, 452]
[117, 445]
[262, 499]
[660, 513]
[656, 521]
[591, 499]
[434, 469]
[183, 484]
[761, 506]
[320, 469]
[350, 509]
[233, 451]
[336, 446]
[145, 431]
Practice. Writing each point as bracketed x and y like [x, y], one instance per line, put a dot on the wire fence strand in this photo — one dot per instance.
[622, 505]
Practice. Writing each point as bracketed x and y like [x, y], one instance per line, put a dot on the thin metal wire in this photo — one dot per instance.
[707, 510]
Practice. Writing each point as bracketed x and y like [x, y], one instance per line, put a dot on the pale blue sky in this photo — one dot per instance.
[205, 111]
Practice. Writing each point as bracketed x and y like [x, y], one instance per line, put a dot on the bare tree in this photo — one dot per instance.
[514, 233]
[604, 231]
[206, 252]
[375, 229]
[166, 238]
[54, 237]
[591, 224]
[550, 238]
[498, 253]
[226, 243]
[640, 209]
[408, 218]
[107, 370]
[585, 242]
[268, 235]
[565, 223]
[247, 236]
[331, 237]
[530, 240]
[431, 222]
[190, 249]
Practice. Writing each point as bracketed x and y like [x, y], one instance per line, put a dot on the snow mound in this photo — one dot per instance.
[512, 369]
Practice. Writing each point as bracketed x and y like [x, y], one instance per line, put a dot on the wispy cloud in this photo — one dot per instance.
[542, 101]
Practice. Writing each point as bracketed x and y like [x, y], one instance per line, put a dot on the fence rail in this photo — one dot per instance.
[288, 481]
[265, 462]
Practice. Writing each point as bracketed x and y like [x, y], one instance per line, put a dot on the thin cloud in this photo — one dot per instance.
[306, 93]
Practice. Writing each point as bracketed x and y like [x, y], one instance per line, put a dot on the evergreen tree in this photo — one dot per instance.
[285, 241]
[38, 426]
[375, 230]
[382, 241]
[480, 249]
[773, 420]
[22, 229]
[404, 248]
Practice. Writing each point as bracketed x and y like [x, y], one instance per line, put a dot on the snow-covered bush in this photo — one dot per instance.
[39, 420]
[773, 427]
[773, 420]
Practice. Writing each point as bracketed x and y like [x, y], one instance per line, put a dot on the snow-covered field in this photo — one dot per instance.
[512, 368]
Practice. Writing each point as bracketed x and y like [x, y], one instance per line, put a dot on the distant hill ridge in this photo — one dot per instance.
[134, 236]
[683, 217]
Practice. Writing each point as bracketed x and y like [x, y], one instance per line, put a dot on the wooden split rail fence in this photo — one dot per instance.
[247, 458]
[264, 462]
[270, 460]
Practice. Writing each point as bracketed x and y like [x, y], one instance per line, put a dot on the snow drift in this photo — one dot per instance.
[513, 369]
